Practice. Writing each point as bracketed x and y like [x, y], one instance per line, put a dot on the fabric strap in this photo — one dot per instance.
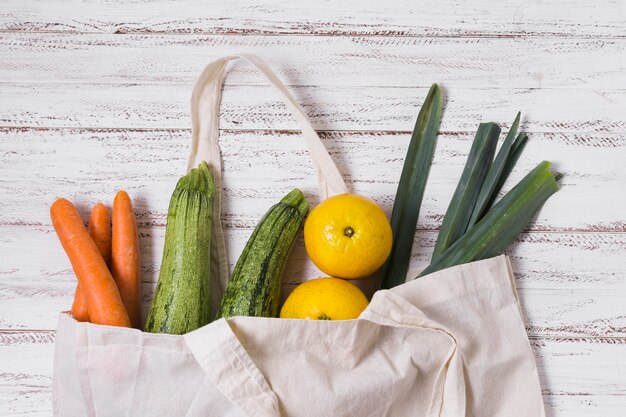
[205, 105]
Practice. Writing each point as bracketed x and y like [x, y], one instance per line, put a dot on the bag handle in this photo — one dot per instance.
[205, 105]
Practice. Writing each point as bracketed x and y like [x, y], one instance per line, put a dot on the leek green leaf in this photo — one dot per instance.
[506, 220]
[411, 188]
[490, 189]
[465, 196]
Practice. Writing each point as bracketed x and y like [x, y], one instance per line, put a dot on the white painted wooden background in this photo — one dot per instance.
[94, 97]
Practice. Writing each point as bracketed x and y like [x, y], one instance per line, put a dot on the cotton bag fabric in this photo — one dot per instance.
[452, 343]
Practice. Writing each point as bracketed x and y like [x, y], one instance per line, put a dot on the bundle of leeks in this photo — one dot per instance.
[473, 227]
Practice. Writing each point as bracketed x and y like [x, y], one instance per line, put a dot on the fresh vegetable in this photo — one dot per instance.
[518, 147]
[497, 174]
[103, 298]
[181, 302]
[463, 201]
[125, 261]
[411, 187]
[100, 232]
[348, 236]
[503, 222]
[473, 227]
[324, 299]
[254, 288]
[80, 308]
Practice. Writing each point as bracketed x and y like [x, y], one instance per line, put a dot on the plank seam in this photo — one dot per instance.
[294, 132]
[335, 34]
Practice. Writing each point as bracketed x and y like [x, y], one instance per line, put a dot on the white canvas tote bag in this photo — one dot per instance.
[450, 344]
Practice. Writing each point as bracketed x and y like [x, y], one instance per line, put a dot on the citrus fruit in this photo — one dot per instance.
[324, 299]
[347, 236]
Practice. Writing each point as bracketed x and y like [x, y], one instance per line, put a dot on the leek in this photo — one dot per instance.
[503, 222]
[411, 188]
[465, 196]
[518, 147]
[493, 183]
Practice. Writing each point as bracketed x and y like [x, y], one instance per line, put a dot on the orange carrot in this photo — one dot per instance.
[80, 308]
[103, 298]
[125, 261]
[100, 232]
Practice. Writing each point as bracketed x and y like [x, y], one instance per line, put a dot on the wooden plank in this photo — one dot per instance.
[319, 60]
[584, 405]
[577, 375]
[548, 313]
[565, 363]
[348, 17]
[559, 261]
[260, 167]
[132, 106]
[26, 373]
[557, 299]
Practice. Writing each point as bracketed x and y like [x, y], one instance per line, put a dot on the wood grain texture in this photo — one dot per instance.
[146, 106]
[577, 375]
[549, 313]
[349, 17]
[550, 261]
[558, 301]
[319, 61]
[261, 166]
[584, 405]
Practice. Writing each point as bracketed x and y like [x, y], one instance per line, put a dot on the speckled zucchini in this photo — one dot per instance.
[181, 301]
[254, 288]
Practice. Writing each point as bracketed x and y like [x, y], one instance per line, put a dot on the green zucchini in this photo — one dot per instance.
[254, 288]
[181, 302]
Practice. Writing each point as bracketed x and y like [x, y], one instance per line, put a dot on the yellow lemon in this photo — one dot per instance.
[348, 236]
[324, 299]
